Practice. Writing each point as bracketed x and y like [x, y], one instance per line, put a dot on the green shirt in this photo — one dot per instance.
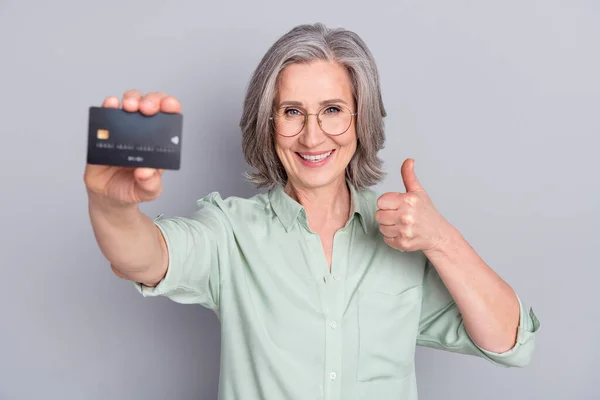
[290, 328]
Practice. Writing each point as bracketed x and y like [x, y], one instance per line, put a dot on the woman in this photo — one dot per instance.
[322, 288]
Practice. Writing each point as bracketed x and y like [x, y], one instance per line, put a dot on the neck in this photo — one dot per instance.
[327, 207]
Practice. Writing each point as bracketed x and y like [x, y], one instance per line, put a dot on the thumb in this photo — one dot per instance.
[148, 180]
[411, 183]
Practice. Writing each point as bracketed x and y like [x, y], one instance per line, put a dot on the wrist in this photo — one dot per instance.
[112, 211]
[449, 241]
[105, 203]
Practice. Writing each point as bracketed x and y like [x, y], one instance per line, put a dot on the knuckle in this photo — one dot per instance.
[407, 219]
[408, 234]
[411, 199]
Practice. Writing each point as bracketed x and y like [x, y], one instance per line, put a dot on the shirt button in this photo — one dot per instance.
[332, 376]
[336, 277]
[333, 324]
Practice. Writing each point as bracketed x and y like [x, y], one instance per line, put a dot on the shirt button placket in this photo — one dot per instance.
[334, 289]
[334, 340]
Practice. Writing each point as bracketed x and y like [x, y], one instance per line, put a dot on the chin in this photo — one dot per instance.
[314, 182]
[318, 178]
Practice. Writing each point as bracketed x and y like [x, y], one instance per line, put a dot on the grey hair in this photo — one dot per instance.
[303, 44]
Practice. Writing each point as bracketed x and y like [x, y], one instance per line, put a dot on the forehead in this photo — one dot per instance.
[313, 82]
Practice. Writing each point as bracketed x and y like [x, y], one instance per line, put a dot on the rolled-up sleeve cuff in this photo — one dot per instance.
[521, 353]
[171, 279]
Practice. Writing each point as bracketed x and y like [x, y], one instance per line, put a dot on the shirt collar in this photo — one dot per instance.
[289, 210]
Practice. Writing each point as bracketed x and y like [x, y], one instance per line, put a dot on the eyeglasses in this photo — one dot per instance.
[334, 120]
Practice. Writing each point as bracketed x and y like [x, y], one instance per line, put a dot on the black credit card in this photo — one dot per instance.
[131, 139]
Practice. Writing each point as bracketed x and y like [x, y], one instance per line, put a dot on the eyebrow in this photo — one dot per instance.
[321, 104]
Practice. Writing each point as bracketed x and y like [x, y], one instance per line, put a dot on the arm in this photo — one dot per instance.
[199, 251]
[467, 308]
[488, 305]
[442, 325]
[129, 240]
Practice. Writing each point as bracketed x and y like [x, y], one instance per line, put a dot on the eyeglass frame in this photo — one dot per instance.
[306, 115]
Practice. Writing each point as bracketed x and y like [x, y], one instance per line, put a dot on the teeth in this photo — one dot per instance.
[318, 158]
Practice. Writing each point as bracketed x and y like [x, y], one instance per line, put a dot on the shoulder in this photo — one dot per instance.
[246, 218]
[234, 207]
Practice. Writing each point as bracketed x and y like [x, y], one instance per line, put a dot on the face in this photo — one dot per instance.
[313, 159]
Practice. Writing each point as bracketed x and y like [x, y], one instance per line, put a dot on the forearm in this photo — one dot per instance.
[129, 240]
[489, 306]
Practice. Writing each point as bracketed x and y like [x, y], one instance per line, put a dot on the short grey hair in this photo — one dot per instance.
[303, 44]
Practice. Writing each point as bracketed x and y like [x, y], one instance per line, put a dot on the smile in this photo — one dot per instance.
[315, 158]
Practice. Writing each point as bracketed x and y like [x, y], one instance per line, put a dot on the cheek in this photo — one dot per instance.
[282, 146]
[348, 142]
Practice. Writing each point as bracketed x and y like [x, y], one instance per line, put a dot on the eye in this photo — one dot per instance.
[332, 110]
[292, 112]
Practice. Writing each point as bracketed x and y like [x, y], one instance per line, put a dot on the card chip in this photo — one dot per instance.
[102, 134]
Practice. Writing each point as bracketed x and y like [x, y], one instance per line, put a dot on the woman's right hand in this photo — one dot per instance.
[122, 186]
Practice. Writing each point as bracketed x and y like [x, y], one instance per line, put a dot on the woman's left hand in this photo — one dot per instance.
[409, 221]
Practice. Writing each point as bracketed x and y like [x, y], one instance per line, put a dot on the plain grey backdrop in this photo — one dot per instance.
[498, 103]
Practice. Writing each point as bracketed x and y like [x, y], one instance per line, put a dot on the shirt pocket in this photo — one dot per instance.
[387, 325]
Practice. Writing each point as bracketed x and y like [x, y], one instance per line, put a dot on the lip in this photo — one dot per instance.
[314, 153]
[311, 164]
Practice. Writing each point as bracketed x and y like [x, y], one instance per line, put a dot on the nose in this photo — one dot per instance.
[312, 135]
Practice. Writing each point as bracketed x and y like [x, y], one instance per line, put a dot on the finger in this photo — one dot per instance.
[111, 102]
[151, 103]
[131, 100]
[397, 243]
[150, 185]
[389, 201]
[389, 231]
[143, 174]
[150, 189]
[391, 242]
[411, 183]
[170, 104]
[387, 217]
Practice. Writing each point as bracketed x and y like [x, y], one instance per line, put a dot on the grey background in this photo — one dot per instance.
[498, 103]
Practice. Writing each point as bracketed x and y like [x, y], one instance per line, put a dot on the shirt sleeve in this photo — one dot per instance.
[198, 248]
[441, 326]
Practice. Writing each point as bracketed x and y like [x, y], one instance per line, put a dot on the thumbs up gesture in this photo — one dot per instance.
[409, 221]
